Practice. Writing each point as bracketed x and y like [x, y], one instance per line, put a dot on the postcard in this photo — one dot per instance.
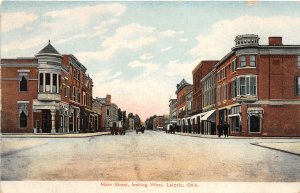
[150, 96]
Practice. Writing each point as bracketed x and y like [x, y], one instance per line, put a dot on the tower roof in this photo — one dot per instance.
[49, 49]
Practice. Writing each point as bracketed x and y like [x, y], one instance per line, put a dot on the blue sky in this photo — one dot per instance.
[139, 51]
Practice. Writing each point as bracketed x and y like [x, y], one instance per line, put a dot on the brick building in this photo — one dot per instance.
[158, 123]
[96, 107]
[45, 93]
[173, 110]
[19, 87]
[200, 97]
[257, 88]
[183, 88]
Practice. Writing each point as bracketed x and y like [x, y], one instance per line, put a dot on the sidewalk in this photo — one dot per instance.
[287, 147]
[229, 137]
[53, 135]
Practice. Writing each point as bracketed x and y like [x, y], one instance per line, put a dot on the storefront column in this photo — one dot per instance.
[53, 121]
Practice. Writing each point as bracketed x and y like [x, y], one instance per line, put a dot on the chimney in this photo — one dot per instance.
[108, 99]
[275, 41]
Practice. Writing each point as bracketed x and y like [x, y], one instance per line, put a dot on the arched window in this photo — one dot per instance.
[23, 119]
[23, 84]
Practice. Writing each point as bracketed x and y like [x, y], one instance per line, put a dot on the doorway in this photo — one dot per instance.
[46, 121]
[254, 124]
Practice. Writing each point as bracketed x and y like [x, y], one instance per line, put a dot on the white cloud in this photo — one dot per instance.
[221, 39]
[36, 41]
[166, 49]
[101, 29]
[171, 33]
[80, 16]
[183, 39]
[150, 67]
[116, 75]
[15, 20]
[131, 36]
[146, 56]
[182, 69]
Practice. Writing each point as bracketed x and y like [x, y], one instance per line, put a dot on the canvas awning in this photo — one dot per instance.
[209, 116]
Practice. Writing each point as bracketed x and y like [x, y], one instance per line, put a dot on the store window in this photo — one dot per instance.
[23, 114]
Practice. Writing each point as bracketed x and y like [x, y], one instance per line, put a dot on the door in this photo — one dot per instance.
[46, 121]
[254, 124]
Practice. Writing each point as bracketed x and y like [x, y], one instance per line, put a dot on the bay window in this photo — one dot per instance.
[246, 85]
[47, 82]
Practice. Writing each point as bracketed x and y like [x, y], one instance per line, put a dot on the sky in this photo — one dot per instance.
[138, 51]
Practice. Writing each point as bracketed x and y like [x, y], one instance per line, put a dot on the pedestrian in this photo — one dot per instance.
[219, 128]
[226, 127]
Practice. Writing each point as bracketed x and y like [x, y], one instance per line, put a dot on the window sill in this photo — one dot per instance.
[246, 67]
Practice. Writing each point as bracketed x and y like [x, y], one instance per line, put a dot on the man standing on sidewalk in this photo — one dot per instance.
[226, 127]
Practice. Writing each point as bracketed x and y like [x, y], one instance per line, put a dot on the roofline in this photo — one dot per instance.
[81, 65]
[47, 54]
[177, 91]
[201, 63]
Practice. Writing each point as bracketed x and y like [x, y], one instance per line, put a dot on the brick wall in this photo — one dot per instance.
[10, 95]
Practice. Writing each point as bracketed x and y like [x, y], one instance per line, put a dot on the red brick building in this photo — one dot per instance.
[19, 86]
[199, 72]
[183, 88]
[258, 88]
[46, 94]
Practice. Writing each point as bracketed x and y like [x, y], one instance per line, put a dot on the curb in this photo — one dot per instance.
[233, 137]
[284, 151]
[51, 136]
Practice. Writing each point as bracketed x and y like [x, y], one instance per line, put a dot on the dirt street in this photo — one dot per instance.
[153, 156]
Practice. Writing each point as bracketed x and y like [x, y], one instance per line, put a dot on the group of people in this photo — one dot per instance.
[223, 129]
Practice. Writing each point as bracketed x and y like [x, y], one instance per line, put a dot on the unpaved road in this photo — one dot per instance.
[153, 156]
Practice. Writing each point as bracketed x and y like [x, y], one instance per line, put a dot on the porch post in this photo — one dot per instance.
[53, 121]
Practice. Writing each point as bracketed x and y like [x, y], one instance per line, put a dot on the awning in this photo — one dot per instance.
[209, 116]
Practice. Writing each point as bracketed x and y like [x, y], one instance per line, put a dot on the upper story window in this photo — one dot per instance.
[66, 87]
[252, 60]
[218, 76]
[219, 94]
[41, 86]
[297, 85]
[84, 98]
[23, 80]
[54, 83]
[242, 61]
[47, 85]
[233, 66]
[246, 85]
[224, 91]
[74, 94]
[223, 73]
[298, 64]
[233, 88]
[23, 83]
